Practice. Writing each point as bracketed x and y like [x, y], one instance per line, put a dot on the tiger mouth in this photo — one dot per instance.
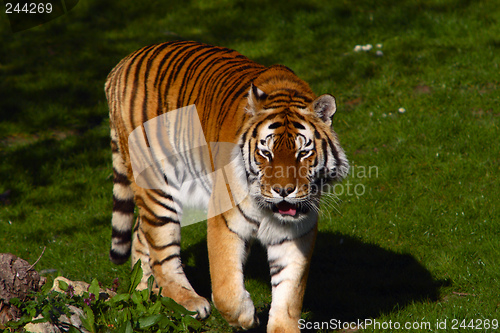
[288, 209]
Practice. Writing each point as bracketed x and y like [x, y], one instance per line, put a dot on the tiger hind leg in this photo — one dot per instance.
[140, 251]
[157, 240]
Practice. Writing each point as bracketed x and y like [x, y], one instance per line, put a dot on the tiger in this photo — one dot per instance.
[284, 151]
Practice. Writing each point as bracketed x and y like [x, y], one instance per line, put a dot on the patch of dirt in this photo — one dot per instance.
[422, 90]
[479, 113]
[22, 139]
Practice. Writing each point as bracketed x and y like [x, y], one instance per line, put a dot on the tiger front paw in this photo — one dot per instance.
[199, 305]
[282, 322]
[242, 316]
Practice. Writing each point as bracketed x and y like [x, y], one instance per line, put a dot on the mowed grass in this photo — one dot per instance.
[414, 236]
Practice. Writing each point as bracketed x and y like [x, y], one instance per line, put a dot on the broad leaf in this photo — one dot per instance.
[94, 288]
[150, 320]
[135, 276]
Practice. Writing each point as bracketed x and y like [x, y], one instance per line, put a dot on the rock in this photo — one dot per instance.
[17, 278]
[79, 287]
[51, 328]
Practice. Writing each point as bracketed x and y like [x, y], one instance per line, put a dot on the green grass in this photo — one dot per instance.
[419, 244]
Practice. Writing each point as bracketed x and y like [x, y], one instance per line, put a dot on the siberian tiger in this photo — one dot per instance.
[285, 150]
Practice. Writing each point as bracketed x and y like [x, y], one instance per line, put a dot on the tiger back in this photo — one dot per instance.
[283, 154]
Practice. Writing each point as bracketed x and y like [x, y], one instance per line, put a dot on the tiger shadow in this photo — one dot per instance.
[349, 280]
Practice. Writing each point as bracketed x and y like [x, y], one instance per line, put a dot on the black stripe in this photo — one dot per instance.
[248, 218]
[196, 70]
[151, 243]
[256, 130]
[123, 206]
[165, 58]
[242, 140]
[191, 65]
[316, 160]
[276, 269]
[257, 125]
[306, 99]
[279, 101]
[142, 253]
[325, 152]
[162, 194]
[173, 256]
[151, 57]
[139, 238]
[136, 62]
[275, 125]
[234, 232]
[229, 86]
[272, 97]
[177, 63]
[165, 77]
[129, 61]
[160, 75]
[163, 247]
[119, 178]
[202, 76]
[158, 202]
[119, 258]
[281, 241]
[123, 236]
[137, 224]
[298, 105]
[298, 125]
[274, 285]
[317, 134]
[114, 147]
[334, 152]
[243, 91]
[159, 221]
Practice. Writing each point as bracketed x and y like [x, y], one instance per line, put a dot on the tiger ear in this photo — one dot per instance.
[255, 96]
[325, 108]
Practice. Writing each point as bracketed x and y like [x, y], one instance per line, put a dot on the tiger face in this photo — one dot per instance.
[293, 153]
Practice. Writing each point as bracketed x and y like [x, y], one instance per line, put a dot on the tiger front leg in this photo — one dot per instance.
[227, 253]
[289, 266]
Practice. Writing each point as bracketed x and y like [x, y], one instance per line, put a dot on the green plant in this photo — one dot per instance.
[130, 311]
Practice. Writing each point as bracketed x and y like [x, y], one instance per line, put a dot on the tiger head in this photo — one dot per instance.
[289, 149]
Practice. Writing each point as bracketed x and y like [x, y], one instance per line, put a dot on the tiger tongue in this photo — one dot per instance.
[285, 208]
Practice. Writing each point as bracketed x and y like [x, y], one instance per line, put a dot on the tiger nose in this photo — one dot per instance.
[283, 191]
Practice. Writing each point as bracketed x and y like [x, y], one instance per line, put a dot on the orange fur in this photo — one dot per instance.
[237, 100]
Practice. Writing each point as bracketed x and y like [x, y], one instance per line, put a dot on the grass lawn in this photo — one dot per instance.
[416, 236]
